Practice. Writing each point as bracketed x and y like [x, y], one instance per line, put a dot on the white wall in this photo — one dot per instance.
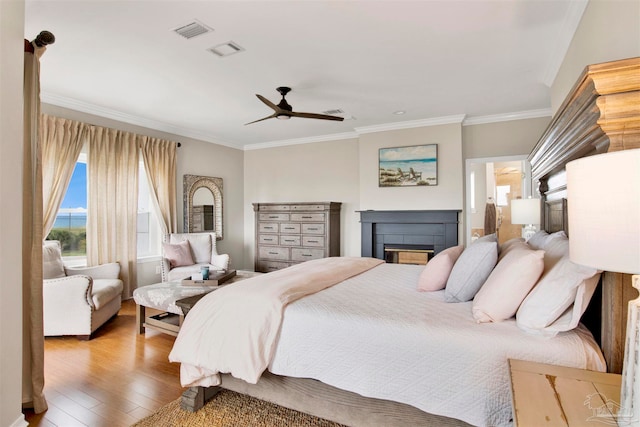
[194, 158]
[322, 171]
[11, 143]
[609, 30]
[510, 138]
[447, 194]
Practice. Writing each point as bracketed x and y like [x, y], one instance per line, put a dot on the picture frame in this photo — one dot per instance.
[408, 166]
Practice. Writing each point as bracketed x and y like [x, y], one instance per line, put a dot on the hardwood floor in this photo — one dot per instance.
[115, 379]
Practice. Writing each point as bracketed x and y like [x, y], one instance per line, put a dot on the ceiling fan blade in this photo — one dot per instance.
[259, 120]
[270, 104]
[316, 116]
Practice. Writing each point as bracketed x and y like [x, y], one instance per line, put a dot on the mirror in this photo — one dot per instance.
[202, 204]
[495, 181]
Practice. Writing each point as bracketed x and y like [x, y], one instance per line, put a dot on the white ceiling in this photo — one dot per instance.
[432, 59]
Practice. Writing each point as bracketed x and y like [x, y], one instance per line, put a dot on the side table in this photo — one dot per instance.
[550, 395]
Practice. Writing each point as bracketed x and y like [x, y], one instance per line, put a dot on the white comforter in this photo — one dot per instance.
[375, 335]
[234, 329]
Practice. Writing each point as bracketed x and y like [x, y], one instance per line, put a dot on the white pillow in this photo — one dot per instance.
[538, 240]
[508, 285]
[200, 245]
[52, 266]
[436, 272]
[471, 270]
[561, 285]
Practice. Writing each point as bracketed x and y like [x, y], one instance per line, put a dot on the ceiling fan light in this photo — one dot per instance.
[283, 117]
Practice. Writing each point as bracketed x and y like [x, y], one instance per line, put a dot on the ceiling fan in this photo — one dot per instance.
[284, 111]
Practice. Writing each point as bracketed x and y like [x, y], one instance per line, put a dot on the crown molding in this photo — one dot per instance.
[85, 107]
[572, 18]
[445, 120]
[108, 113]
[495, 118]
[297, 141]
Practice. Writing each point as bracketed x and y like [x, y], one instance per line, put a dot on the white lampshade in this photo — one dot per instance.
[603, 193]
[525, 211]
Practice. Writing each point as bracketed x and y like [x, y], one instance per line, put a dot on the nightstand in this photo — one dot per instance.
[550, 395]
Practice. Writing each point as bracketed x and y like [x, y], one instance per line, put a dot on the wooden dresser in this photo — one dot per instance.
[291, 233]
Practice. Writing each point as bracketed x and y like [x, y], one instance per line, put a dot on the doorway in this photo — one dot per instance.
[491, 184]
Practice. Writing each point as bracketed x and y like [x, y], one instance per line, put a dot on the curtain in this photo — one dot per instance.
[160, 165]
[33, 330]
[62, 141]
[112, 169]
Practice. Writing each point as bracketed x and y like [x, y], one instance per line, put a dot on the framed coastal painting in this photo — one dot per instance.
[408, 166]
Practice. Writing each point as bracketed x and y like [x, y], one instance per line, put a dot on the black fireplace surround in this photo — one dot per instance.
[437, 228]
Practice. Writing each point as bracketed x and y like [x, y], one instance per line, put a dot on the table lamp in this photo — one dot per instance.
[603, 193]
[527, 212]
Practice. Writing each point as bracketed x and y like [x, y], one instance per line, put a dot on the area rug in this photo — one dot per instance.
[231, 409]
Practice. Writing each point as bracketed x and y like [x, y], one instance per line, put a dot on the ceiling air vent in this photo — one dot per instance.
[192, 29]
[226, 49]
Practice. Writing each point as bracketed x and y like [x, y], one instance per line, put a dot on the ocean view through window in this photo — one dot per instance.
[70, 226]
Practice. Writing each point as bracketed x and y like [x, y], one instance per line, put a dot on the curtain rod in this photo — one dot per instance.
[42, 39]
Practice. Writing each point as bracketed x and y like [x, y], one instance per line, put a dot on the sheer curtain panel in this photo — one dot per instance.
[160, 165]
[112, 169]
[62, 142]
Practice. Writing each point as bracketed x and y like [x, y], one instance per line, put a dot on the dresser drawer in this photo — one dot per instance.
[268, 227]
[301, 254]
[274, 217]
[307, 207]
[290, 240]
[313, 241]
[289, 228]
[312, 228]
[275, 208]
[308, 217]
[274, 253]
[268, 239]
[267, 266]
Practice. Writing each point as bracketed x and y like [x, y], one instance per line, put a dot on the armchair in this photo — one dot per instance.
[77, 301]
[203, 251]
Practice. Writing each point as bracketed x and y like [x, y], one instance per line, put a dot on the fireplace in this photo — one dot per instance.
[385, 232]
[407, 254]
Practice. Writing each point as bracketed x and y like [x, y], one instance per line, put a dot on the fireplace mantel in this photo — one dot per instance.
[437, 228]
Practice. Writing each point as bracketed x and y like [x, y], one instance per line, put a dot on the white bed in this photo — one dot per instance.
[376, 335]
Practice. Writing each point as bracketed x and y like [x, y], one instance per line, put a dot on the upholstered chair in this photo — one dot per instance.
[203, 252]
[77, 300]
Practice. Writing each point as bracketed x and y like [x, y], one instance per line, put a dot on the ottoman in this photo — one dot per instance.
[163, 297]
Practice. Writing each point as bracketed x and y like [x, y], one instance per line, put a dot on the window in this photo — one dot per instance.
[70, 227]
[148, 237]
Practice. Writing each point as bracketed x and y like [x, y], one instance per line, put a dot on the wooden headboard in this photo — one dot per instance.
[600, 114]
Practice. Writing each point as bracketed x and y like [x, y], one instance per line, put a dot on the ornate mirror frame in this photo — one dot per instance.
[191, 183]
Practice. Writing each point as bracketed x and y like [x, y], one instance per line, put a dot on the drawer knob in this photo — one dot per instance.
[313, 229]
[307, 217]
[273, 253]
[307, 255]
[312, 241]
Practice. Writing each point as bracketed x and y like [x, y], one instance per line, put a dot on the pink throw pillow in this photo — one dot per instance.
[178, 254]
[436, 272]
[508, 285]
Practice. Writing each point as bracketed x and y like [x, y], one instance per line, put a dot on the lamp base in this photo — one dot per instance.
[528, 231]
[629, 414]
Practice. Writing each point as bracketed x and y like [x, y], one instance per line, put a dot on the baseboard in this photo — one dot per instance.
[19, 422]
